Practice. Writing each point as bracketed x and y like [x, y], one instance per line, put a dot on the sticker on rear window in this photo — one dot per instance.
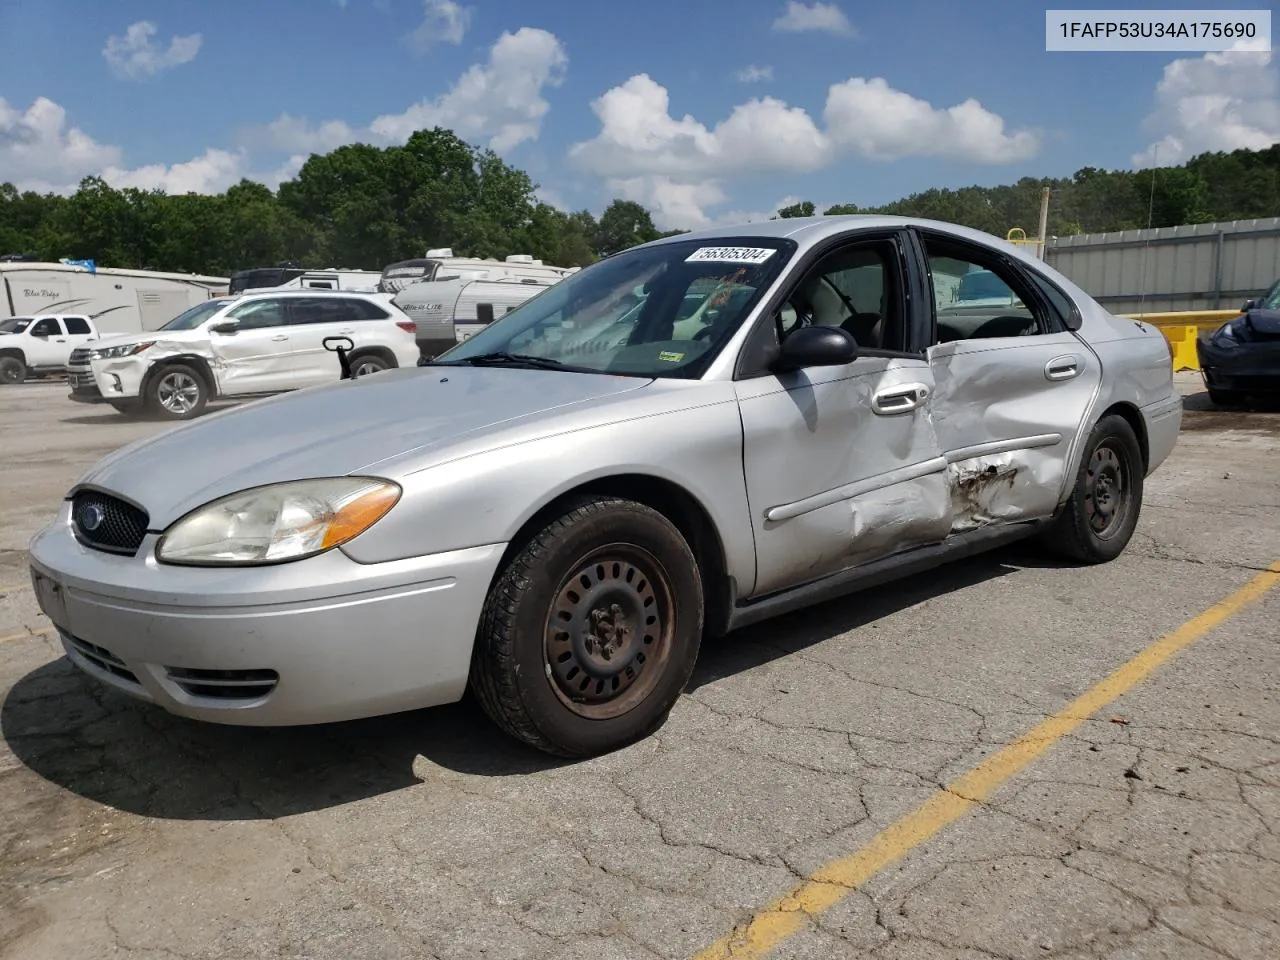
[730, 255]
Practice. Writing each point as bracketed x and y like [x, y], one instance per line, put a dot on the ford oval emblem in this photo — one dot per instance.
[91, 517]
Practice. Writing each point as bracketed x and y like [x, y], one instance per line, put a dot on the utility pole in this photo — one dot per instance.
[1044, 221]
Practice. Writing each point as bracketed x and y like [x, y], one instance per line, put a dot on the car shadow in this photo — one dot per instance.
[108, 748]
[1256, 413]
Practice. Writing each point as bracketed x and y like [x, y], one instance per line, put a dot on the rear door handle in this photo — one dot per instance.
[279, 337]
[902, 399]
[1062, 368]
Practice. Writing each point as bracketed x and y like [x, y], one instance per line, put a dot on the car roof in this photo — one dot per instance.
[810, 230]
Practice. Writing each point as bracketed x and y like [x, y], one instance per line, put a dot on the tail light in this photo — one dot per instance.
[408, 326]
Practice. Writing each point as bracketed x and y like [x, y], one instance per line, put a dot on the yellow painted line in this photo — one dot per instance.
[790, 914]
[26, 635]
[15, 587]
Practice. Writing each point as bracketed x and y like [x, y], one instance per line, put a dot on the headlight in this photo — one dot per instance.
[276, 523]
[121, 350]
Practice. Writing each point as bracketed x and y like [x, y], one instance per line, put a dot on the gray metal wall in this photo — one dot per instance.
[1201, 266]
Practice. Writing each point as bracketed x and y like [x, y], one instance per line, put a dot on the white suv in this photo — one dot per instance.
[242, 346]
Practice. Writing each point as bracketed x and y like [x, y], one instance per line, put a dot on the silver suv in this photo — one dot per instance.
[249, 345]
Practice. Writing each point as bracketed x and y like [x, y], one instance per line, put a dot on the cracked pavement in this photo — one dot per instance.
[1151, 831]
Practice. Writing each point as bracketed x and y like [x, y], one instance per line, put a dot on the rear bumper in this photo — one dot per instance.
[1163, 421]
[321, 640]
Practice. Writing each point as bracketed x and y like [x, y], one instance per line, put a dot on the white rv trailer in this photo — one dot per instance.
[441, 264]
[118, 301]
[449, 311]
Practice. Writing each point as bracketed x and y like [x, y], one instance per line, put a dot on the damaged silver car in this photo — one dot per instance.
[686, 437]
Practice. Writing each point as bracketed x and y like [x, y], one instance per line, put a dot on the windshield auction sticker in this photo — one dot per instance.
[730, 255]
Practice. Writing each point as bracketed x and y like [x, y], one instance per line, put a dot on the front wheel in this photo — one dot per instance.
[176, 392]
[1102, 511]
[591, 630]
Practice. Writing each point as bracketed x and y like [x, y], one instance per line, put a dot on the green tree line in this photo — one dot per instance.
[1239, 185]
[361, 206]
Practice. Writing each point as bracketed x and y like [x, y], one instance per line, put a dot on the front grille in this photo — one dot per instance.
[79, 357]
[102, 658]
[107, 523]
[225, 684]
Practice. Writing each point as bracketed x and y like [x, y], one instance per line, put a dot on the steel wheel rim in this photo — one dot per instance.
[365, 367]
[1106, 490]
[609, 631]
[178, 392]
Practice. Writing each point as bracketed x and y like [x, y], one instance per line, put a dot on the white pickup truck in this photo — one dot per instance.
[41, 344]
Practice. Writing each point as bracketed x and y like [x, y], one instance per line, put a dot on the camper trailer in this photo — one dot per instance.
[441, 264]
[449, 311]
[118, 301]
[295, 278]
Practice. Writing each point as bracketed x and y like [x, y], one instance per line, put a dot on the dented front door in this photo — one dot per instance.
[842, 467]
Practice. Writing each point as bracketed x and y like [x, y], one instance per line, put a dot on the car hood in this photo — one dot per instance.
[336, 429]
[117, 339]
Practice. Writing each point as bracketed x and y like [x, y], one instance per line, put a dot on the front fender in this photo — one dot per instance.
[486, 498]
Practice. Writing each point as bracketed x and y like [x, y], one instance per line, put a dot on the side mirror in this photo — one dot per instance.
[227, 326]
[815, 347]
[1248, 305]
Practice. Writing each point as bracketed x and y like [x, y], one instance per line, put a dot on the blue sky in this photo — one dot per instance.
[852, 102]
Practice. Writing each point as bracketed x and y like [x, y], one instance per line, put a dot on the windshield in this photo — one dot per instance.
[657, 311]
[15, 324]
[1271, 301]
[190, 319]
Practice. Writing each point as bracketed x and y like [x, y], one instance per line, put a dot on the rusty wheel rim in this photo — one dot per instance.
[1106, 493]
[609, 630]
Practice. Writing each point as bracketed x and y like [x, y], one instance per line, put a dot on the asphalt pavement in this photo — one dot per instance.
[1007, 758]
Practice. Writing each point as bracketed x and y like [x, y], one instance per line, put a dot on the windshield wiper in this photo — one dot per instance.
[516, 359]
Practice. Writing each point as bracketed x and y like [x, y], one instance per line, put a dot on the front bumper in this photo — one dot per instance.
[321, 640]
[84, 388]
[1247, 368]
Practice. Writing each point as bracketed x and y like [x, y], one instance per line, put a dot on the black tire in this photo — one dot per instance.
[12, 370]
[1226, 398]
[165, 384]
[601, 559]
[363, 364]
[1106, 499]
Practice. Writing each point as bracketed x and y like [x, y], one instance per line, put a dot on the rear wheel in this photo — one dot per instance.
[1103, 508]
[591, 630]
[176, 392]
[12, 370]
[366, 363]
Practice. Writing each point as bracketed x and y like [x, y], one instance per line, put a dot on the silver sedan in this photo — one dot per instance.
[690, 436]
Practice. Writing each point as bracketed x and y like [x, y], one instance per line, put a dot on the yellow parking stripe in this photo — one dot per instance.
[15, 587]
[27, 635]
[790, 914]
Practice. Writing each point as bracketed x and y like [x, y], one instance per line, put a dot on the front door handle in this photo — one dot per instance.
[1062, 368]
[900, 399]
[280, 337]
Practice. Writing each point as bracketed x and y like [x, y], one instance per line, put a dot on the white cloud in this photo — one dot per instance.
[818, 17]
[871, 118]
[638, 136]
[501, 99]
[1220, 101]
[678, 166]
[754, 74]
[39, 152]
[444, 21]
[136, 55]
[211, 172]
